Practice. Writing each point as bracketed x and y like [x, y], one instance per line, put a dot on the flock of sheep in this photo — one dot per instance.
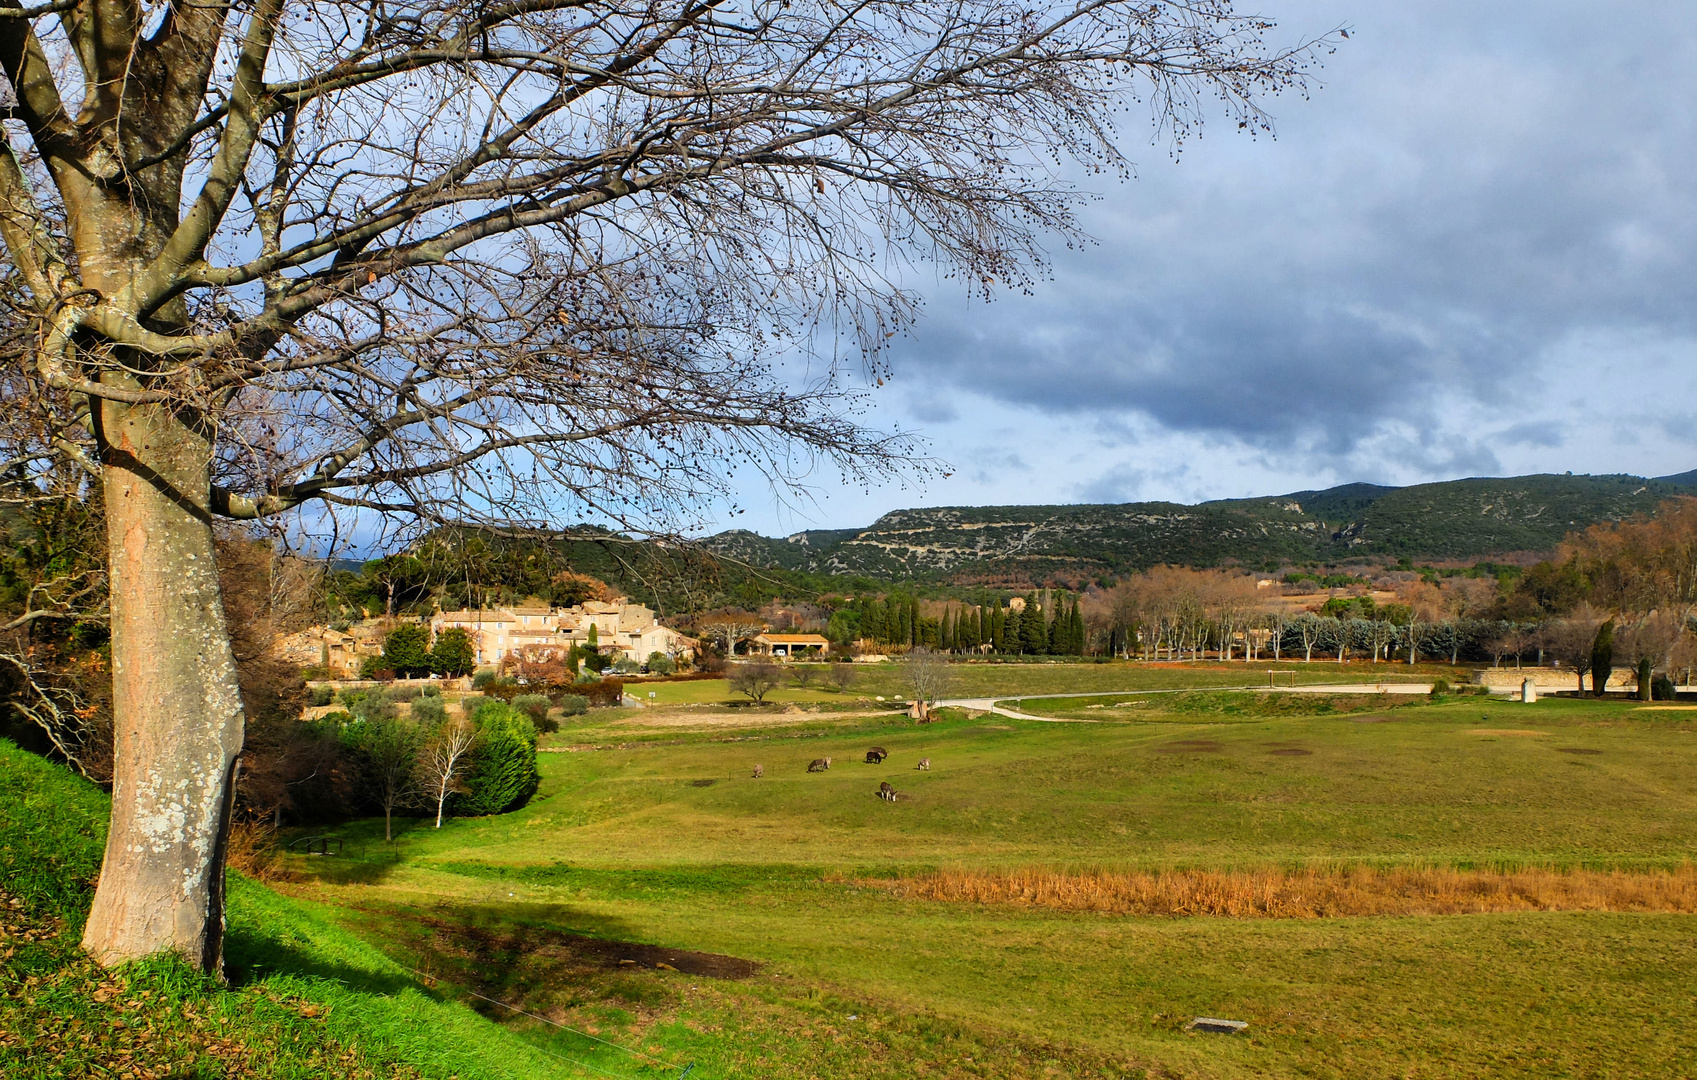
[874, 756]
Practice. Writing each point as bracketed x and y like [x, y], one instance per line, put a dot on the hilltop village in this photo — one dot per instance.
[617, 629]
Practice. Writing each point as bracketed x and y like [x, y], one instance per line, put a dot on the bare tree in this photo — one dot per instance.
[519, 262]
[1570, 640]
[388, 753]
[727, 630]
[756, 679]
[1647, 643]
[927, 676]
[842, 677]
[1309, 629]
[1509, 639]
[444, 759]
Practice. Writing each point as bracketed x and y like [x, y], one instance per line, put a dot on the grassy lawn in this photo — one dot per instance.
[674, 844]
[657, 896]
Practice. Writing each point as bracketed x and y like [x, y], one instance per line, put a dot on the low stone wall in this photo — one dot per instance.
[1548, 678]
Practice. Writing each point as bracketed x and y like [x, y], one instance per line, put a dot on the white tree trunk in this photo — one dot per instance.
[176, 704]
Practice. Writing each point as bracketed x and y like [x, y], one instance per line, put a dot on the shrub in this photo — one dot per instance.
[371, 705]
[430, 710]
[623, 666]
[602, 691]
[534, 706]
[661, 664]
[503, 774]
[321, 695]
[374, 667]
[573, 704]
[1662, 689]
[405, 693]
[430, 690]
[483, 678]
[1440, 687]
[471, 703]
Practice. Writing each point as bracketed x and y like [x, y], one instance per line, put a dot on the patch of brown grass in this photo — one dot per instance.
[253, 851]
[1313, 893]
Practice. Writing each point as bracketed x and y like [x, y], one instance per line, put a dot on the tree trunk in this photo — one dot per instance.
[177, 709]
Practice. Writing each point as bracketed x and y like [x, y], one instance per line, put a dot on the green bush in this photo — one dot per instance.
[1441, 686]
[535, 706]
[430, 690]
[321, 695]
[375, 667]
[661, 664]
[1662, 689]
[503, 774]
[405, 693]
[573, 704]
[371, 704]
[431, 711]
[483, 678]
[471, 703]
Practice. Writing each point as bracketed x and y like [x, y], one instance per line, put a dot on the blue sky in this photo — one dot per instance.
[1473, 251]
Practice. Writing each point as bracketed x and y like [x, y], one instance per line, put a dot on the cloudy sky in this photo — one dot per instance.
[1471, 252]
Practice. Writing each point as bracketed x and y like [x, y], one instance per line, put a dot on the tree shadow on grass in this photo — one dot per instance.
[537, 957]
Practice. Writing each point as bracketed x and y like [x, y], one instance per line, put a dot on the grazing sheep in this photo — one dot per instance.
[759, 771]
[819, 764]
[886, 792]
[924, 763]
[876, 755]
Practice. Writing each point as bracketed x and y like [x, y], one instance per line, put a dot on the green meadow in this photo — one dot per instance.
[655, 895]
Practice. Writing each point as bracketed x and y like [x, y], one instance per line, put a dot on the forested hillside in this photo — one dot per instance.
[1456, 519]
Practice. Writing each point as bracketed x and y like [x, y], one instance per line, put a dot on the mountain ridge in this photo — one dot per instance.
[1473, 517]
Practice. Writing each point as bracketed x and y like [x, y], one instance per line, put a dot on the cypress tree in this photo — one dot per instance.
[503, 773]
[1033, 628]
[872, 621]
[1602, 657]
[974, 634]
[1078, 642]
[1012, 640]
[1058, 632]
[998, 627]
[946, 635]
[913, 637]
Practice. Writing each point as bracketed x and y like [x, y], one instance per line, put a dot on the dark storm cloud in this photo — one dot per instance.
[1476, 188]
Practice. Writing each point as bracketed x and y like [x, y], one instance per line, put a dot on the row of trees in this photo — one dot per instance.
[1033, 625]
[409, 653]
